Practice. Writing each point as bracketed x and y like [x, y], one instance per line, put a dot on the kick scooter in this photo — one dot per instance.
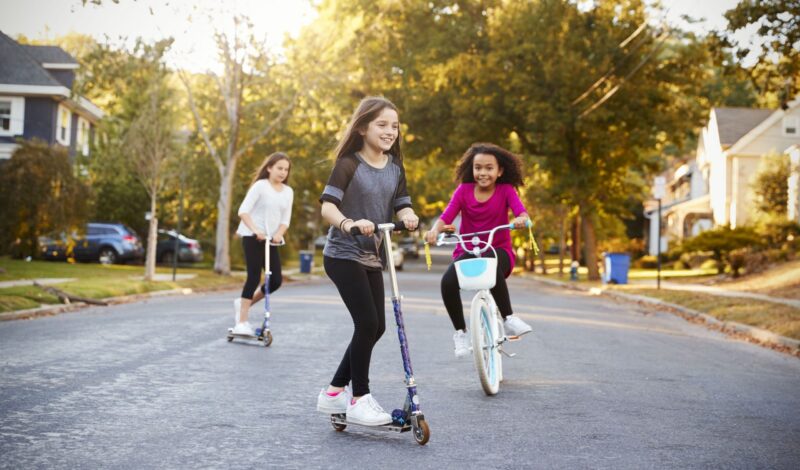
[262, 334]
[410, 417]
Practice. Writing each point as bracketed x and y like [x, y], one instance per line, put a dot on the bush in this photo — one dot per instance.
[721, 242]
[646, 262]
[41, 194]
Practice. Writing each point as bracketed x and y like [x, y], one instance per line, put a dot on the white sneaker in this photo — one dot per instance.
[514, 326]
[243, 328]
[367, 412]
[333, 405]
[461, 342]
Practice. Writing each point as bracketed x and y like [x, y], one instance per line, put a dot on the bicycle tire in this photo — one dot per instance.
[485, 351]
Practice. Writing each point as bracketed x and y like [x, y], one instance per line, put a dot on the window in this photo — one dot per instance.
[12, 115]
[63, 125]
[790, 124]
[5, 115]
[83, 136]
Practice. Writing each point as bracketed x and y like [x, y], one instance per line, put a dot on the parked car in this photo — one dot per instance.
[107, 243]
[410, 247]
[54, 247]
[189, 250]
[399, 258]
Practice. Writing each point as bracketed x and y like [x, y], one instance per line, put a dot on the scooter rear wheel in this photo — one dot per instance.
[422, 433]
[339, 427]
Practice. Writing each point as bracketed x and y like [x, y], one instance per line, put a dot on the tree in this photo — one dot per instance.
[150, 145]
[776, 69]
[771, 186]
[41, 194]
[245, 105]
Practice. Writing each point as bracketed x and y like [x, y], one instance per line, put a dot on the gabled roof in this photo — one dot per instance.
[735, 123]
[25, 69]
[49, 54]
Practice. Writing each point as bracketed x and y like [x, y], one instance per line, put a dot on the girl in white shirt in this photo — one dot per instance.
[265, 214]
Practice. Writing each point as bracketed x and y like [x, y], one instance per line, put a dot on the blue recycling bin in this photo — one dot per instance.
[617, 265]
[306, 261]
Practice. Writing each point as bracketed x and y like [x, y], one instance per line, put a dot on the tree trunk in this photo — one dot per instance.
[590, 246]
[562, 245]
[152, 240]
[222, 259]
[575, 249]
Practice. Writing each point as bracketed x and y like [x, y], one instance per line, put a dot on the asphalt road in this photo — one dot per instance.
[598, 384]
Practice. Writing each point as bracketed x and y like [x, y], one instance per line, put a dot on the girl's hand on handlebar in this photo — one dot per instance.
[260, 235]
[367, 228]
[277, 239]
[520, 222]
[411, 221]
[430, 236]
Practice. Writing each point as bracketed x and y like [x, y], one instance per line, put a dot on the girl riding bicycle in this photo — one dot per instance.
[487, 176]
[367, 185]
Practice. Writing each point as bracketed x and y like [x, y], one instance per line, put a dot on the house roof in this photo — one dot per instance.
[49, 54]
[26, 70]
[735, 123]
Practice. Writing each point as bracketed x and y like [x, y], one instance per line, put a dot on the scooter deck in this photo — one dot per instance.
[263, 338]
[341, 419]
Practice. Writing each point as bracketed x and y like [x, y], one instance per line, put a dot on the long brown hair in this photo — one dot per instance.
[269, 162]
[367, 111]
[508, 161]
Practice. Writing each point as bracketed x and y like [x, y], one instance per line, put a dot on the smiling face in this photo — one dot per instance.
[382, 131]
[486, 170]
[279, 171]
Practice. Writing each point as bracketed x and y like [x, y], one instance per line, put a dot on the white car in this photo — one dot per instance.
[398, 257]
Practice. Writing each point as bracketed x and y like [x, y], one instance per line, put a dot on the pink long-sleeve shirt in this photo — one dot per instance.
[479, 216]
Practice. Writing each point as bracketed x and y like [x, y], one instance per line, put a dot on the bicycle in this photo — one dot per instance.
[486, 324]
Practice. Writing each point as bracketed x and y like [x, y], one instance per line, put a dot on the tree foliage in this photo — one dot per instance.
[41, 194]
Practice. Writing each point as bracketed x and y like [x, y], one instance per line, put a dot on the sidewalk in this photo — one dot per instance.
[758, 335]
[716, 291]
[43, 281]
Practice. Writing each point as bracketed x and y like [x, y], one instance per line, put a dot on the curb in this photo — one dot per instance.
[50, 310]
[757, 335]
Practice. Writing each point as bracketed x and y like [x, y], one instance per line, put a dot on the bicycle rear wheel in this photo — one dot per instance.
[485, 350]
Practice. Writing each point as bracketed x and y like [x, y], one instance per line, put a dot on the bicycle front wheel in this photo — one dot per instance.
[485, 349]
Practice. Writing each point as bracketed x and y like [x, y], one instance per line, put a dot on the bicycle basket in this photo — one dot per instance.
[476, 273]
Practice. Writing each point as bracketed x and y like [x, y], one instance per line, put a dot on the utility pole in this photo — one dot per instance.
[659, 190]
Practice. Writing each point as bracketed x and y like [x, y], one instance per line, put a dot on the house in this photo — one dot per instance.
[714, 187]
[36, 99]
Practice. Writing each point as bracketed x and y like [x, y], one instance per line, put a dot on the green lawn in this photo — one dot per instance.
[95, 281]
[778, 318]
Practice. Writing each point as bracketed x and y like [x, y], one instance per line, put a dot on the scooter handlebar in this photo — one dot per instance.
[398, 226]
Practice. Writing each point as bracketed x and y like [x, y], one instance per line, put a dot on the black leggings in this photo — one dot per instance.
[254, 258]
[362, 292]
[451, 293]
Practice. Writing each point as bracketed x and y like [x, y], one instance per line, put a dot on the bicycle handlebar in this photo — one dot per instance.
[477, 242]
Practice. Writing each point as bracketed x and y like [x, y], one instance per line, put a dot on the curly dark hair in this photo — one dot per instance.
[509, 162]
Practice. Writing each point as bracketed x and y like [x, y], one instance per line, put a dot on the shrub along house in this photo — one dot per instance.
[36, 99]
[715, 188]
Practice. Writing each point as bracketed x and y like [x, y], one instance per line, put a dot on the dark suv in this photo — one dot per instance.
[107, 243]
[189, 250]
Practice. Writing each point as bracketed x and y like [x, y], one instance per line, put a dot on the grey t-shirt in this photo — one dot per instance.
[361, 191]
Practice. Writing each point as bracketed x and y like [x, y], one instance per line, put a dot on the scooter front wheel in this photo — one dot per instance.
[422, 433]
[267, 338]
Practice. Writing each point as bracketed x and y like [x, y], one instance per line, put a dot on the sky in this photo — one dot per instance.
[192, 22]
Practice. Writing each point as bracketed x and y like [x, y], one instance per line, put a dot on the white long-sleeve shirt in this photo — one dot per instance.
[268, 208]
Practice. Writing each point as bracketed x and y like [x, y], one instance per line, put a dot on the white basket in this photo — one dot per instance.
[476, 273]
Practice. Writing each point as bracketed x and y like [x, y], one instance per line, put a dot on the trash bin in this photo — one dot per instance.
[617, 265]
[306, 260]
